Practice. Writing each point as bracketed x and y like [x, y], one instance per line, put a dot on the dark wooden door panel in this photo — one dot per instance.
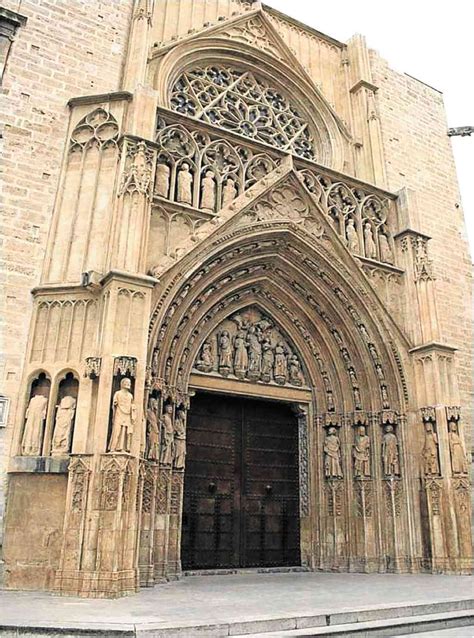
[241, 484]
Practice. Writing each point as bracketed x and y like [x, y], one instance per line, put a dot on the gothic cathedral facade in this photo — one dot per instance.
[248, 343]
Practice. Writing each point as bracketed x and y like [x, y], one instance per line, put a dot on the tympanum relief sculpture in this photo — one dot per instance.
[63, 426]
[123, 418]
[248, 345]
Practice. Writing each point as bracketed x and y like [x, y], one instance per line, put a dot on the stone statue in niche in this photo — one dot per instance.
[390, 454]
[352, 237]
[386, 253]
[430, 452]
[205, 362]
[184, 193]
[361, 454]
[295, 374]
[229, 192]
[162, 180]
[123, 418]
[208, 192]
[33, 434]
[167, 434]
[332, 455]
[268, 359]
[179, 451]
[254, 353]
[459, 464]
[152, 451]
[225, 353]
[241, 359]
[63, 426]
[280, 368]
[370, 247]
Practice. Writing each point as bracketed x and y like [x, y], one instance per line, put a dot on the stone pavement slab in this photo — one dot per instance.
[240, 598]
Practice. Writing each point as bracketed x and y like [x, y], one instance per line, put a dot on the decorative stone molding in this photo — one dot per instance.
[98, 128]
[125, 365]
[92, 367]
[138, 170]
[10, 21]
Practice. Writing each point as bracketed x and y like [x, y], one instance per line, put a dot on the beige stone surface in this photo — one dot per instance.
[242, 228]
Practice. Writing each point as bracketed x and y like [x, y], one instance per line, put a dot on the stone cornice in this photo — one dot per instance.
[363, 84]
[130, 278]
[116, 96]
[365, 261]
[410, 232]
[13, 18]
[433, 346]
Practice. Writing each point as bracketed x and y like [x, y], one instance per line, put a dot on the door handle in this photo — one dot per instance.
[212, 488]
[268, 490]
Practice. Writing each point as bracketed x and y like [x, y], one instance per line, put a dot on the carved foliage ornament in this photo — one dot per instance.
[244, 103]
[138, 169]
[249, 346]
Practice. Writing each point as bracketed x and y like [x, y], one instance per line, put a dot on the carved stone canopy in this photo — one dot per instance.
[248, 345]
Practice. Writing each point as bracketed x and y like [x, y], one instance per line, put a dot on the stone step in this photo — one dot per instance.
[375, 621]
[387, 627]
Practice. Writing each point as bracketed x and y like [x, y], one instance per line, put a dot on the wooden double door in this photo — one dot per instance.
[241, 488]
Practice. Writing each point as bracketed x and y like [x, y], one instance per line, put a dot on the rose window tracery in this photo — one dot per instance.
[243, 103]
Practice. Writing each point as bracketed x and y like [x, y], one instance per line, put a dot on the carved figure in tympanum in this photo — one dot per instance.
[370, 247]
[162, 180]
[430, 452]
[123, 418]
[332, 455]
[179, 452]
[280, 370]
[229, 191]
[268, 359]
[152, 451]
[63, 426]
[205, 362]
[390, 453]
[208, 192]
[184, 193]
[167, 436]
[295, 375]
[352, 237]
[459, 464]
[361, 454]
[241, 359]
[386, 253]
[33, 433]
[254, 353]
[225, 353]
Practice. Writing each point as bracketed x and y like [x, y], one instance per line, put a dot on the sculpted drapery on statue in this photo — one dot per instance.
[390, 453]
[248, 345]
[361, 453]
[459, 462]
[33, 432]
[123, 418]
[63, 426]
[332, 454]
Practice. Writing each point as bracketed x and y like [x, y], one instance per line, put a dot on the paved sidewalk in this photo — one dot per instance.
[237, 597]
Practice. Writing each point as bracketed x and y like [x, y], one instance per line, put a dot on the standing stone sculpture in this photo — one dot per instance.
[268, 359]
[254, 353]
[225, 353]
[208, 192]
[152, 451]
[179, 452]
[430, 452]
[241, 356]
[370, 247]
[295, 375]
[352, 237]
[123, 418]
[332, 455]
[280, 369]
[229, 192]
[63, 426]
[386, 253]
[205, 362]
[167, 433]
[162, 180]
[184, 193]
[459, 464]
[33, 433]
[390, 454]
[361, 454]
